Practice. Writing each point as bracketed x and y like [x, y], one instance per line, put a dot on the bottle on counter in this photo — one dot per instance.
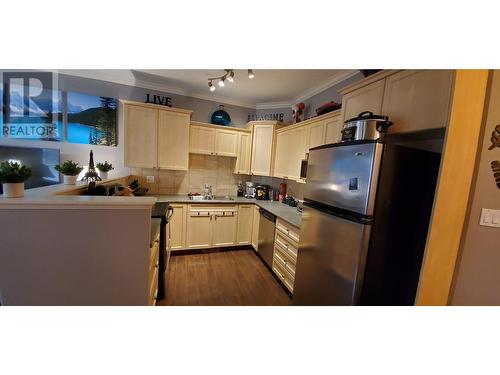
[282, 192]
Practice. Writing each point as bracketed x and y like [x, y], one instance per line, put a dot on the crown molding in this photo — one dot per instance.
[273, 105]
[324, 86]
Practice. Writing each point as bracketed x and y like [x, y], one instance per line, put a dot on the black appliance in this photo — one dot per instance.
[41, 160]
[163, 211]
[262, 192]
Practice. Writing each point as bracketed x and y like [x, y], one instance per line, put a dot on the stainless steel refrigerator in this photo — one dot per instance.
[364, 223]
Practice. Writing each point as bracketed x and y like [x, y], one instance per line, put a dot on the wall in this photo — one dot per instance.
[203, 109]
[216, 171]
[477, 278]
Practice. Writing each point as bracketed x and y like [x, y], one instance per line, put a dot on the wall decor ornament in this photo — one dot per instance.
[298, 112]
[158, 99]
[495, 138]
[267, 117]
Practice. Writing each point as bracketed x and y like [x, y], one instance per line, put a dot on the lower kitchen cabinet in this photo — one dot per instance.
[224, 228]
[286, 244]
[199, 230]
[177, 227]
[255, 228]
[245, 224]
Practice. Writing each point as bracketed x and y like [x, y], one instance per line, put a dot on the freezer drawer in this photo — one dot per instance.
[331, 259]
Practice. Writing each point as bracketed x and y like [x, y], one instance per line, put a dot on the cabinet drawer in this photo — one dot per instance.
[285, 262]
[154, 252]
[288, 230]
[283, 275]
[288, 247]
[153, 289]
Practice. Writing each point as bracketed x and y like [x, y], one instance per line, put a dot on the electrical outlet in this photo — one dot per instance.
[490, 218]
[150, 179]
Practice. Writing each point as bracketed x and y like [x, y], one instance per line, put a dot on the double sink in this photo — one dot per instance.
[210, 198]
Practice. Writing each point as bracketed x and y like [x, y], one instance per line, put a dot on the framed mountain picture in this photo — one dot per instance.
[91, 119]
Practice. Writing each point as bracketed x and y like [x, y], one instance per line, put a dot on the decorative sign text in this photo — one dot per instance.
[268, 117]
[157, 99]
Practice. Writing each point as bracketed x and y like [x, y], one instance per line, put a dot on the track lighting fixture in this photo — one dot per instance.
[228, 75]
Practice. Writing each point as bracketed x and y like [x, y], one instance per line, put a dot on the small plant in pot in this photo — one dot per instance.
[70, 170]
[104, 168]
[12, 176]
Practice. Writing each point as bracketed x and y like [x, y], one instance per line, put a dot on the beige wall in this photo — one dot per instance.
[214, 170]
[477, 275]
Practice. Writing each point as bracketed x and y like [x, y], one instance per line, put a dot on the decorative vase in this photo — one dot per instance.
[103, 175]
[13, 189]
[220, 117]
[69, 180]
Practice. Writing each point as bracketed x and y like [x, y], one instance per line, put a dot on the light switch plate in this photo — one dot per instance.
[490, 218]
[150, 179]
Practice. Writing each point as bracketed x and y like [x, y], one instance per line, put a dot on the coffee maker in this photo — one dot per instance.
[249, 189]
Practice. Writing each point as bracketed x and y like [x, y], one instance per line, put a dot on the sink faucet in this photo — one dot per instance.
[208, 191]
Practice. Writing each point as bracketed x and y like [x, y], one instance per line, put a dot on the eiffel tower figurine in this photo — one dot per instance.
[91, 176]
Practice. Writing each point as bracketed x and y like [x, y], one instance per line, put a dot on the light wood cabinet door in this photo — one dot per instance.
[245, 222]
[297, 150]
[201, 140]
[244, 153]
[224, 228]
[226, 143]
[333, 129]
[317, 133]
[367, 98]
[177, 227]
[173, 140]
[141, 126]
[255, 228]
[262, 149]
[282, 154]
[418, 99]
[199, 230]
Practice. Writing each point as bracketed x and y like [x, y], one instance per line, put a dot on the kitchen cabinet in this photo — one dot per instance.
[210, 139]
[199, 230]
[224, 228]
[242, 165]
[155, 136]
[263, 147]
[255, 228]
[366, 98]
[177, 227]
[141, 127]
[333, 129]
[245, 224]
[286, 244]
[418, 99]
[291, 148]
[317, 133]
[281, 160]
[226, 143]
[173, 141]
[202, 140]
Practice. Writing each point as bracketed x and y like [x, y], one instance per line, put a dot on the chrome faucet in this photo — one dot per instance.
[208, 191]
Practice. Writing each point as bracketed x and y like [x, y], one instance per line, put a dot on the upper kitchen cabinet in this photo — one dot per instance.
[263, 145]
[317, 133]
[202, 139]
[418, 99]
[173, 140]
[242, 165]
[210, 139]
[141, 130]
[366, 98]
[333, 127]
[291, 149]
[155, 136]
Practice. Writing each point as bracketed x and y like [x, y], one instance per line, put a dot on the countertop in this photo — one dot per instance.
[283, 211]
[155, 230]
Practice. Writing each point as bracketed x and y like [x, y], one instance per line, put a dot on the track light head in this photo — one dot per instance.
[250, 73]
[230, 77]
[221, 82]
[211, 86]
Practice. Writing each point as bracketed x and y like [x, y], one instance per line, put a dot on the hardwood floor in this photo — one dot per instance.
[224, 278]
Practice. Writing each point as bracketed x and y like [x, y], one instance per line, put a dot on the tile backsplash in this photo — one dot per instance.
[293, 188]
[213, 170]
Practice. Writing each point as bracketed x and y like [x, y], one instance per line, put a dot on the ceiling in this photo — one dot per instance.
[270, 88]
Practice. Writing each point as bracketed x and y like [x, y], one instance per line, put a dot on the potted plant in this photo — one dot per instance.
[70, 170]
[12, 176]
[104, 168]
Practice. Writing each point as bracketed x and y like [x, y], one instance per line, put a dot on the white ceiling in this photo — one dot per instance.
[271, 88]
